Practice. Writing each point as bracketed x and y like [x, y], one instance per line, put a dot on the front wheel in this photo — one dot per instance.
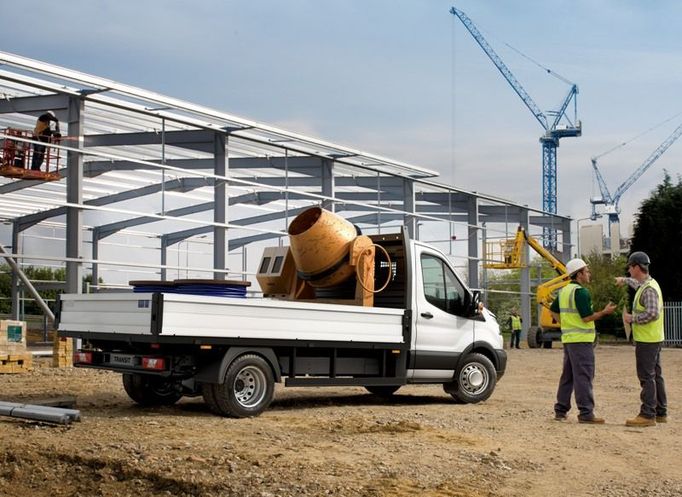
[248, 388]
[151, 390]
[474, 381]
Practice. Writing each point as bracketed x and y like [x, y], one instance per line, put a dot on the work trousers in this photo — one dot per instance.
[576, 377]
[515, 339]
[39, 153]
[653, 396]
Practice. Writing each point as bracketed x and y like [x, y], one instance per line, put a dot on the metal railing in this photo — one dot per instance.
[673, 324]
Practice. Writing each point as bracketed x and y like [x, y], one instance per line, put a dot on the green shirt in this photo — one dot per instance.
[583, 302]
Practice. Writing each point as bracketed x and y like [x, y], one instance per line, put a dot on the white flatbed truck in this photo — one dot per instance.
[426, 327]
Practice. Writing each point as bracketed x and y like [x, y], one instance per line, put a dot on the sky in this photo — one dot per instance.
[403, 79]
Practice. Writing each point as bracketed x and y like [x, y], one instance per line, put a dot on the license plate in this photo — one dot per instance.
[122, 359]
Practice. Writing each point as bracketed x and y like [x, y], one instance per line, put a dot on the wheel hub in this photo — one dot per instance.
[249, 386]
[474, 378]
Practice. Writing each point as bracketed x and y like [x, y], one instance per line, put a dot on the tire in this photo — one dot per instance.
[475, 380]
[151, 390]
[248, 388]
[382, 390]
[534, 337]
[208, 392]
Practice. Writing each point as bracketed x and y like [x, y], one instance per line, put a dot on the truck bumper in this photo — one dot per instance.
[501, 363]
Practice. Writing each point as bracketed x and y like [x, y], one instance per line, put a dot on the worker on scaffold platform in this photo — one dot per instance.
[47, 126]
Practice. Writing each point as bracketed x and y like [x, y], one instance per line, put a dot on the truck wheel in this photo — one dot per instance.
[151, 390]
[248, 388]
[534, 337]
[382, 390]
[475, 380]
[208, 392]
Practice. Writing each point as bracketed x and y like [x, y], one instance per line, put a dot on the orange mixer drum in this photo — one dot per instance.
[320, 241]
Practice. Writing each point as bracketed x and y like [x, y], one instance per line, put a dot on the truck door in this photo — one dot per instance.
[441, 331]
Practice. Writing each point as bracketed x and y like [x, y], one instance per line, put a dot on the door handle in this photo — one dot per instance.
[427, 315]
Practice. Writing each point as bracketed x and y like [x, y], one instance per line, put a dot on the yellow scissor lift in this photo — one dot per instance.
[509, 254]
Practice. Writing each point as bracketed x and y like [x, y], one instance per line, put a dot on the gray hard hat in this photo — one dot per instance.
[638, 258]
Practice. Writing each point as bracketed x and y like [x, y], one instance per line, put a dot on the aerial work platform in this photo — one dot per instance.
[17, 155]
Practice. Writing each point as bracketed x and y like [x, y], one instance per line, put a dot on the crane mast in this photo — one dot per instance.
[553, 131]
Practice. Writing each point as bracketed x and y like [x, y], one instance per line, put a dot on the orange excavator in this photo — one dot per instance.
[17, 155]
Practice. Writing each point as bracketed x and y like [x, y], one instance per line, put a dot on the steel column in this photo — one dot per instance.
[472, 249]
[74, 195]
[525, 278]
[219, 204]
[327, 180]
[409, 203]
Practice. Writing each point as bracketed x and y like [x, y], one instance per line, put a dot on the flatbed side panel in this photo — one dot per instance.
[118, 313]
[279, 320]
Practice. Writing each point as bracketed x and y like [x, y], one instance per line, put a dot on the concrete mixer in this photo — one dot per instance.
[325, 252]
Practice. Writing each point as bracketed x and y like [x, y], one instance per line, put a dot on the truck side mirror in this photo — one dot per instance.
[475, 304]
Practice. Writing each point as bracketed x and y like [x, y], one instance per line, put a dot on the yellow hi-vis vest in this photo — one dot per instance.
[573, 328]
[515, 322]
[651, 332]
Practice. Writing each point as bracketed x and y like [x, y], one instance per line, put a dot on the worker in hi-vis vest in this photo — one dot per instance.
[648, 335]
[572, 308]
[515, 327]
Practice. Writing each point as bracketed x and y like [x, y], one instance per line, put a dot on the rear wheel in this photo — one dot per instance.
[151, 390]
[382, 390]
[474, 381]
[208, 392]
[248, 388]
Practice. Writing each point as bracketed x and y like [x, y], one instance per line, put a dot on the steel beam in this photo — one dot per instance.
[197, 140]
[27, 284]
[36, 105]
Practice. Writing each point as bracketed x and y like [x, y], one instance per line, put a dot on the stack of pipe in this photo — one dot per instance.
[39, 413]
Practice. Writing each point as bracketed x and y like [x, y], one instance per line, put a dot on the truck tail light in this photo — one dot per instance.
[155, 363]
[82, 357]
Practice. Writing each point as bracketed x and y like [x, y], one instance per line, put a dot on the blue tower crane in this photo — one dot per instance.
[610, 202]
[550, 122]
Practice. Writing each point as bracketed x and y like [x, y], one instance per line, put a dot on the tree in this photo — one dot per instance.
[603, 290]
[34, 274]
[658, 232]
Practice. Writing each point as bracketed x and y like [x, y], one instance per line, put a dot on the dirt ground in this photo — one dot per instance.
[346, 442]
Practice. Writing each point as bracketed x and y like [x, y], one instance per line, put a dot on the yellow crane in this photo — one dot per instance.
[509, 254]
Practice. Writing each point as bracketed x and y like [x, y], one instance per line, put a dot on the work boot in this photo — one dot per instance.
[559, 417]
[592, 421]
[661, 419]
[641, 421]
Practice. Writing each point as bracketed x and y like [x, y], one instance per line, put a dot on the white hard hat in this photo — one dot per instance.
[51, 113]
[575, 265]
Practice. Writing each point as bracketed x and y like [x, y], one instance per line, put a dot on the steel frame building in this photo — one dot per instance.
[134, 158]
